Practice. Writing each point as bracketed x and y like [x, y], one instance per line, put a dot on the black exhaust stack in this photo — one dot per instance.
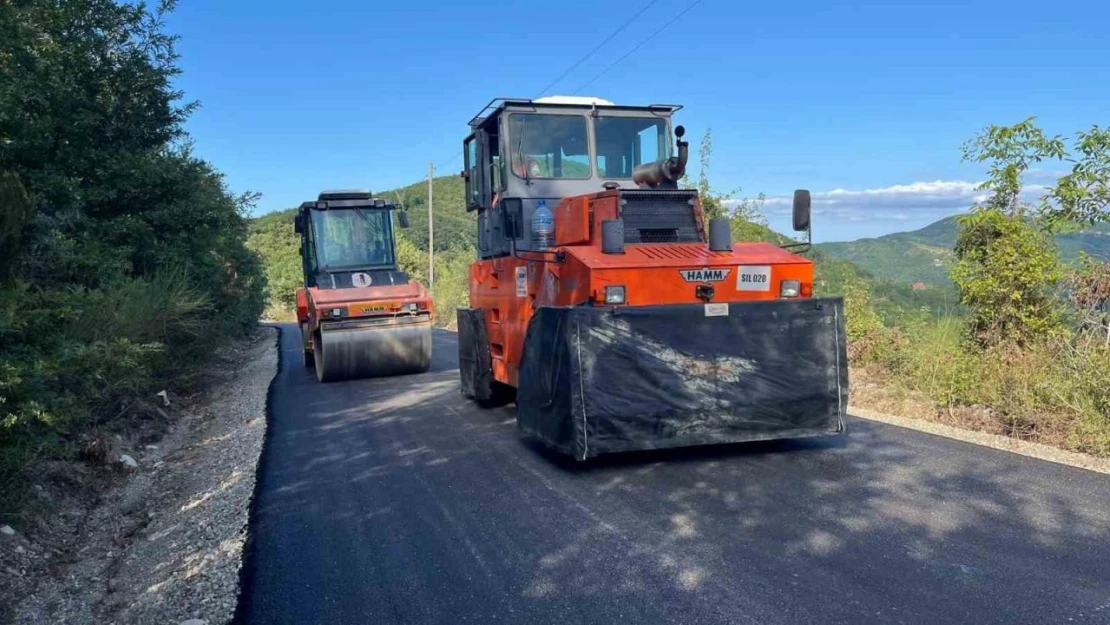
[612, 236]
[720, 234]
[664, 174]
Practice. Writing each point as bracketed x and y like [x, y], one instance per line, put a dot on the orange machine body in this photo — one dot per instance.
[508, 289]
[370, 303]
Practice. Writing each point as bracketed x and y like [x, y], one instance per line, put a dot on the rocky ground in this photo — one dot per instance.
[156, 535]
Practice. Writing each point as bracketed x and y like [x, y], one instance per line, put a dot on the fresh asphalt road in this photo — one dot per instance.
[396, 501]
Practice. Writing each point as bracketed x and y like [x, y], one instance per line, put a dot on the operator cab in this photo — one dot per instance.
[528, 151]
[347, 240]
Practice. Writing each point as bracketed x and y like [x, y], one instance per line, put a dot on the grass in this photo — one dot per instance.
[76, 361]
[1052, 392]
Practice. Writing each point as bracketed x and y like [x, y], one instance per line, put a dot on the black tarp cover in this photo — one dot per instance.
[600, 380]
[475, 367]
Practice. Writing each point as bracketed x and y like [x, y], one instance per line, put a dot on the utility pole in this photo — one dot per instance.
[431, 230]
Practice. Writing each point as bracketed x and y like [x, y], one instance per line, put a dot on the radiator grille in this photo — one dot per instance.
[659, 217]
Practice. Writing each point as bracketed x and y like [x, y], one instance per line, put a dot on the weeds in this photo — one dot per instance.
[1053, 392]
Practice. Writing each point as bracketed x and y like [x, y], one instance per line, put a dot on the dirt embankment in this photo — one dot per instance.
[156, 535]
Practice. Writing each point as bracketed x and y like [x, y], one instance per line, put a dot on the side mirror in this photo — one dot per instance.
[403, 218]
[802, 204]
[298, 223]
[512, 218]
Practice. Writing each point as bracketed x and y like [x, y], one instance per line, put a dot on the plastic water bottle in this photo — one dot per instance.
[543, 227]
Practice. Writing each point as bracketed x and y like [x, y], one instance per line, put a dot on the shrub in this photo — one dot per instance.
[273, 239]
[1089, 298]
[1051, 391]
[1005, 272]
[123, 254]
[452, 285]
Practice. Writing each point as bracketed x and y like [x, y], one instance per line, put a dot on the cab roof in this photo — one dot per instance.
[498, 105]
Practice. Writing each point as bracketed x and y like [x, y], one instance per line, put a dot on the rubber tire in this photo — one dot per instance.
[499, 395]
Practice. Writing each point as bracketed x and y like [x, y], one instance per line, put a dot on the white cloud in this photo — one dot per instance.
[916, 201]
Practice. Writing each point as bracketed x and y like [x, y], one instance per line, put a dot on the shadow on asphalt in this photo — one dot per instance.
[679, 455]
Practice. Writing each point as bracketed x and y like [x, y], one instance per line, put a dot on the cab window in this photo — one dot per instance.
[548, 146]
[624, 143]
[470, 155]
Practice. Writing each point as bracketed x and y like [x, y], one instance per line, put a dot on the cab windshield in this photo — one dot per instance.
[549, 146]
[353, 237]
[623, 143]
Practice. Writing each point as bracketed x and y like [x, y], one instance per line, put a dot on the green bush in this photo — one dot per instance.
[76, 358]
[452, 285]
[272, 237]
[411, 259]
[123, 255]
[1006, 271]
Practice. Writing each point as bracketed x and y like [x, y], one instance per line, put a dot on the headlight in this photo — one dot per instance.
[790, 288]
[413, 307]
[614, 294]
[336, 312]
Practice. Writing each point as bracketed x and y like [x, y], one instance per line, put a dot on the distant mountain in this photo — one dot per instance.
[925, 255]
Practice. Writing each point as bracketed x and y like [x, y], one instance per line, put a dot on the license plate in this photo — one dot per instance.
[754, 278]
[373, 308]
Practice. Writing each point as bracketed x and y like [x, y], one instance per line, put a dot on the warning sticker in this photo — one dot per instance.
[360, 279]
[716, 310]
[521, 281]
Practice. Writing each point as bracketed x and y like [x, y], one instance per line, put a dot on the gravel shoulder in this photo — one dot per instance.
[163, 542]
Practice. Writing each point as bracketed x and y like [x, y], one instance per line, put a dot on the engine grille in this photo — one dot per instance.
[659, 217]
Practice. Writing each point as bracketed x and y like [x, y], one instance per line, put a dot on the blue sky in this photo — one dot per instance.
[865, 104]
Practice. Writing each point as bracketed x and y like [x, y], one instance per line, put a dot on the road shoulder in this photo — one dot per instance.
[994, 441]
[164, 541]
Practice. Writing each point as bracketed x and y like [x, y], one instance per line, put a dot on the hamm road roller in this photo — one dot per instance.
[613, 311]
[360, 315]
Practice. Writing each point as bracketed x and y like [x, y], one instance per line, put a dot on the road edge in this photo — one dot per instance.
[246, 564]
[993, 441]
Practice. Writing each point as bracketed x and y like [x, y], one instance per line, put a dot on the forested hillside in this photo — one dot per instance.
[926, 255]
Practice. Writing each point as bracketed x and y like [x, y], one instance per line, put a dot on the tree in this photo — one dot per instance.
[16, 210]
[1005, 267]
[1083, 195]
[272, 237]
[1005, 272]
[1080, 197]
[124, 254]
[743, 213]
[1010, 150]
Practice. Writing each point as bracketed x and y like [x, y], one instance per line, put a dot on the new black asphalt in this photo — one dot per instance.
[397, 501]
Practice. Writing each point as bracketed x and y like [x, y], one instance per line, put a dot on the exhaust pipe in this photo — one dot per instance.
[720, 234]
[665, 173]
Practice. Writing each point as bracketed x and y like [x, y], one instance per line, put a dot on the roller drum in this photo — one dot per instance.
[344, 352]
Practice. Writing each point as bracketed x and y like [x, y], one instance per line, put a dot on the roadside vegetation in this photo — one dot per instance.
[122, 255]
[1030, 355]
